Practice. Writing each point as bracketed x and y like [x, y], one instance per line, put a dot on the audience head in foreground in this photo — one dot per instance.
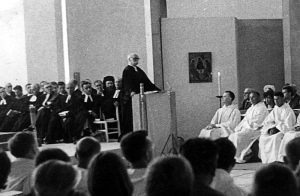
[292, 157]
[137, 148]
[23, 145]
[5, 166]
[51, 154]
[86, 149]
[54, 178]
[274, 180]
[107, 176]
[169, 176]
[226, 153]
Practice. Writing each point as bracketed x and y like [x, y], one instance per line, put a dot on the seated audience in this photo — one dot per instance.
[274, 180]
[5, 166]
[269, 99]
[248, 131]
[225, 119]
[138, 150]
[86, 149]
[222, 181]
[99, 87]
[51, 154]
[169, 176]
[246, 100]
[24, 147]
[54, 178]
[28, 88]
[202, 154]
[280, 120]
[107, 176]
[291, 97]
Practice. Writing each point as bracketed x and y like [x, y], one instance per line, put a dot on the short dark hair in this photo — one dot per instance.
[4, 169]
[107, 175]
[51, 154]
[135, 145]
[21, 143]
[169, 176]
[231, 94]
[54, 177]
[84, 83]
[288, 89]
[275, 180]
[87, 147]
[226, 153]
[61, 83]
[269, 93]
[293, 151]
[18, 87]
[202, 154]
[278, 94]
[53, 83]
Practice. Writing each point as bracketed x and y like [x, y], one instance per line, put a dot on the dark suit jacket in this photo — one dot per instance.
[294, 103]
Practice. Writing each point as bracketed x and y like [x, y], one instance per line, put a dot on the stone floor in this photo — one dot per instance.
[243, 174]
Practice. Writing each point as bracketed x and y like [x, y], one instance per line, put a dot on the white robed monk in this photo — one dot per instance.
[225, 119]
[280, 120]
[248, 131]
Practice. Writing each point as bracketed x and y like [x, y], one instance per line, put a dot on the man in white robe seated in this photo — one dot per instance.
[248, 131]
[280, 120]
[288, 136]
[224, 120]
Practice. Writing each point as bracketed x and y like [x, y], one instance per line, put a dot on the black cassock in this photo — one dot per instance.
[131, 80]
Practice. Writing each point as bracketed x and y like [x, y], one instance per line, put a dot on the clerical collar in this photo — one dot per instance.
[86, 97]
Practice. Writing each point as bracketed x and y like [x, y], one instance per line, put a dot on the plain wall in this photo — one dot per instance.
[13, 67]
[244, 9]
[102, 33]
[260, 54]
[43, 39]
[196, 102]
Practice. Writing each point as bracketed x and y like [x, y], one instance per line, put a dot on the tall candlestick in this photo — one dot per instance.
[219, 83]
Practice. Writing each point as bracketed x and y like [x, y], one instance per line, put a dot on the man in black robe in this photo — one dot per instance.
[107, 105]
[6, 103]
[132, 77]
[62, 120]
[291, 97]
[88, 107]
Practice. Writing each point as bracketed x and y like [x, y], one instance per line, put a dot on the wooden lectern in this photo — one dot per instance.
[156, 112]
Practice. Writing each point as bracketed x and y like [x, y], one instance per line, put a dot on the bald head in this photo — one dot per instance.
[86, 149]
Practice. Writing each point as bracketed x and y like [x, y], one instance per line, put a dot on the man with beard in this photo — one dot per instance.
[107, 105]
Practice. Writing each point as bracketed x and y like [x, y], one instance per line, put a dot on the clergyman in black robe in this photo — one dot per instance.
[132, 77]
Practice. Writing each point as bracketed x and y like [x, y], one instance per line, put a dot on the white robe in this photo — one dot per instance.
[248, 130]
[283, 118]
[288, 136]
[225, 119]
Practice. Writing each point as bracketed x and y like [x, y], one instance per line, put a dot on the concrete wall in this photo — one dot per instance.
[244, 9]
[43, 39]
[102, 33]
[13, 67]
[260, 54]
[196, 102]
[291, 21]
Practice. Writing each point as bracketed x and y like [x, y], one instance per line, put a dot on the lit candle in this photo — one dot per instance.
[219, 83]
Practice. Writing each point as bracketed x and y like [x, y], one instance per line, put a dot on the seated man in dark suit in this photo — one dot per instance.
[62, 120]
[44, 104]
[291, 97]
[5, 105]
[87, 113]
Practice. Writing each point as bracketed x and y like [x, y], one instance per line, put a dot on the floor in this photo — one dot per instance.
[243, 174]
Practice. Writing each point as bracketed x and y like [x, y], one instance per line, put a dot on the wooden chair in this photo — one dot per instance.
[104, 126]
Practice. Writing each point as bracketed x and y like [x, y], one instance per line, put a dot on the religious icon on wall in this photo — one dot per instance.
[200, 67]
